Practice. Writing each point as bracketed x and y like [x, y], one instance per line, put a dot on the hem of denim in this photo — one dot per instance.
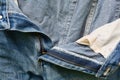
[63, 64]
[59, 56]
[111, 64]
[76, 54]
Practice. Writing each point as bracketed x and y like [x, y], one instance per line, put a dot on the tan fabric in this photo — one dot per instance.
[104, 39]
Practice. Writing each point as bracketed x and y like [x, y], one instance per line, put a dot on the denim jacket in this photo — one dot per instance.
[38, 39]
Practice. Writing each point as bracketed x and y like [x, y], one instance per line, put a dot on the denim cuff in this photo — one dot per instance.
[74, 57]
[111, 64]
[80, 62]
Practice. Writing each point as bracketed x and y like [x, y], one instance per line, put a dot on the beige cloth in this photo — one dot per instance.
[104, 39]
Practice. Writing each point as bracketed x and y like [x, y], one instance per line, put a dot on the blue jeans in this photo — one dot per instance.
[26, 29]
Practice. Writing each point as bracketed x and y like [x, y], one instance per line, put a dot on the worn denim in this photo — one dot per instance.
[27, 53]
[19, 45]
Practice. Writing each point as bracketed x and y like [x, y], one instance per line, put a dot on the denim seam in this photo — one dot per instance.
[71, 53]
[90, 17]
[44, 70]
[64, 64]
[72, 6]
[72, 62]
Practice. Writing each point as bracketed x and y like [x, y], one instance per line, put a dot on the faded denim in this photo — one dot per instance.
[26, 31]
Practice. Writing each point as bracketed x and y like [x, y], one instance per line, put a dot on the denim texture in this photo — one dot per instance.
[35, 27]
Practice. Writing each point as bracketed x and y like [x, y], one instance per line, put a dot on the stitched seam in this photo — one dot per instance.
[68, 20]
[75, 6]
[90, 17]
[72, 62]
[77, 55]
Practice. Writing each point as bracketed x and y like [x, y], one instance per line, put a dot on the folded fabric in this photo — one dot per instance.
[104, 39]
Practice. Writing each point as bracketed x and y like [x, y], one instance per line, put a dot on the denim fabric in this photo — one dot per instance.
[19, 45]
[26, 28]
